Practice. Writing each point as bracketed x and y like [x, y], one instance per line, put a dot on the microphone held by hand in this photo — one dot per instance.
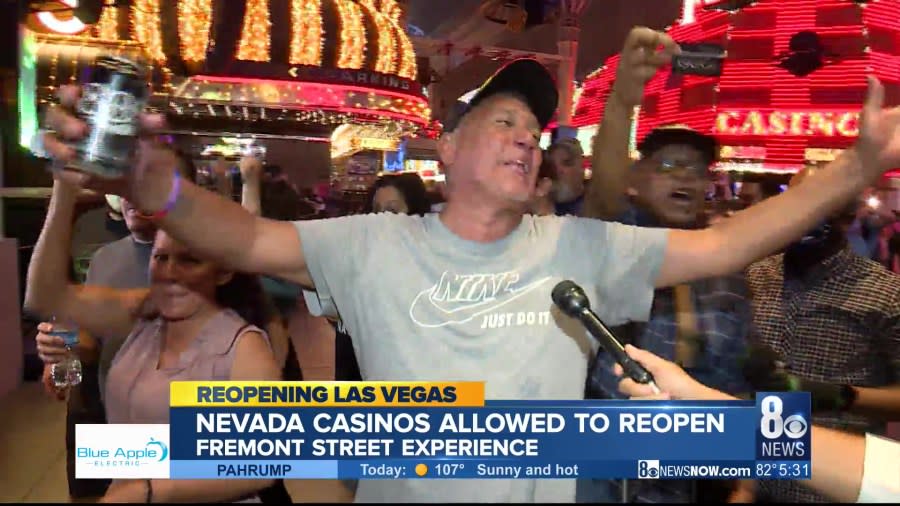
[572, 300]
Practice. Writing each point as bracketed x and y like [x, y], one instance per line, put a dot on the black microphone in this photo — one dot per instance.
[571, 299]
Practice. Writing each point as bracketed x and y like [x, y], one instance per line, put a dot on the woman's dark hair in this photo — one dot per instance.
[244, 294]
[409, 185]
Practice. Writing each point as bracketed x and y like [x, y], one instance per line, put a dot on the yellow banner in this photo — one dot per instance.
[325, 393]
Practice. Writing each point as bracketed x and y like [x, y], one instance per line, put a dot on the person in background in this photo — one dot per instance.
[223, 180]
[864, 234]
[832, 317]
[401, 194]
[888, 249]
[754, 192]
[845, 467]
[192, 310]
[567, 159]
[95, 228]
[704, 325]
[265, 193]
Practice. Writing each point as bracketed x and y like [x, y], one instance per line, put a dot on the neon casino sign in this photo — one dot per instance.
[795, 123]
[70, 26]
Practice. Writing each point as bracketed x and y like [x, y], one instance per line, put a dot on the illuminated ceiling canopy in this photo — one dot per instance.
[306, 50]
[790, 88]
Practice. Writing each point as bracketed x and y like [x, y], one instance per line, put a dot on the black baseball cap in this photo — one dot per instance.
[525, 77]
[679, 134]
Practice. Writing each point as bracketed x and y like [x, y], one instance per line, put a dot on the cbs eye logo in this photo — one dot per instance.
[648, 469]
[773, 425]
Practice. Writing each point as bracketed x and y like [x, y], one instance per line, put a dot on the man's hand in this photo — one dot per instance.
[644, 53]
[149, 181]
[878, 145]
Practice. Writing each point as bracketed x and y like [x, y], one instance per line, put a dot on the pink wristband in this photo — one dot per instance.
[170, 204]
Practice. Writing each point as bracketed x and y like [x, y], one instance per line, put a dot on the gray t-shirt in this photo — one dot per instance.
[123, 265]
[423, 304]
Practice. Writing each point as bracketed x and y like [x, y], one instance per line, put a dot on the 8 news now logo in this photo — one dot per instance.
[783, 425]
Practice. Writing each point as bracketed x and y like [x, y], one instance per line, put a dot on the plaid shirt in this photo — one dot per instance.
[838, 323]
[724, 322]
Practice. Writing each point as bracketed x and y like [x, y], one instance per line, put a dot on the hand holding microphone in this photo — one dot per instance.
[572, 300]
[674, 382]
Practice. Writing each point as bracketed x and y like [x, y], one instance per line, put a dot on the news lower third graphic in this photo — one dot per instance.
[387, 430]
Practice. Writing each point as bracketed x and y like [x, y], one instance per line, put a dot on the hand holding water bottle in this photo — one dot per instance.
[52, 341]
[56, 344]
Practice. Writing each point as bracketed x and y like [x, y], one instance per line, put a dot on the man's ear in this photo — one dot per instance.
[446, 147]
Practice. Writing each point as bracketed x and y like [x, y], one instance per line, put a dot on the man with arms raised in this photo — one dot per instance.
[471, 300]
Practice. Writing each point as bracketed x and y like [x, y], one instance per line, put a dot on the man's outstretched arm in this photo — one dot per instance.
[222, 230]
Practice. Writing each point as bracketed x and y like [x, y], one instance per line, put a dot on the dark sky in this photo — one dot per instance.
[603, 30]
[605, 24]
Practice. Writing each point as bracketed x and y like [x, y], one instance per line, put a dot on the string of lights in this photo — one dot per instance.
[145, 18]
[306, 32]
[108, 26]
[385, 96]
[255, 40]
[407, 66]
[386, 60]
[351, 54]
[194, 21]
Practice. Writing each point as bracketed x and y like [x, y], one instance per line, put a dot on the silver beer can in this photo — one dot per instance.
[114, 92]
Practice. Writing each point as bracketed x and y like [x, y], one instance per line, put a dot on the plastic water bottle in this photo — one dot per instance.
[67, 372]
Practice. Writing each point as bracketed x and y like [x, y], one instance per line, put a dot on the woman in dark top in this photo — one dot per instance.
[402, 194]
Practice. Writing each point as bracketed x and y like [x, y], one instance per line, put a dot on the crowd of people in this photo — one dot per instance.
[702, 295]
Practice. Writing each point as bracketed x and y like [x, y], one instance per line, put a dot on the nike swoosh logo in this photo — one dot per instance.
[420, 314]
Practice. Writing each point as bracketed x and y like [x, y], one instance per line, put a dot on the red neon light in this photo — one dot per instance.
[755, 38]
[342, 87]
